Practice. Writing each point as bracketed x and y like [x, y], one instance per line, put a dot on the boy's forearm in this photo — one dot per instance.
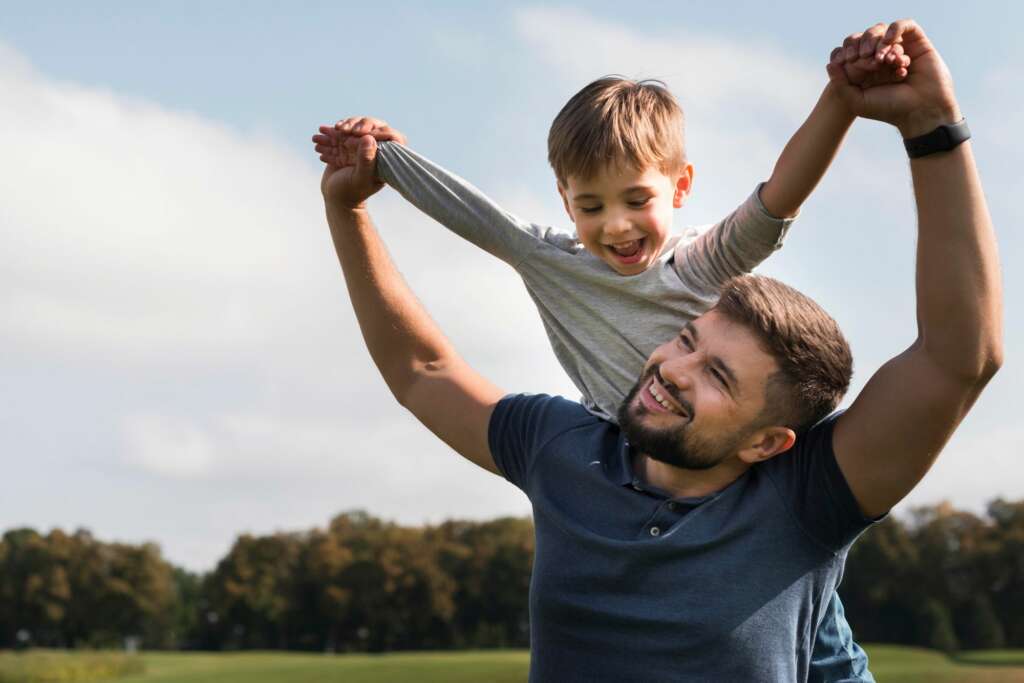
[399, 335]
[454, 203]
[807, 156]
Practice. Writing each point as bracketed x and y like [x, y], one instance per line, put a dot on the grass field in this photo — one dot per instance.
[890, 664]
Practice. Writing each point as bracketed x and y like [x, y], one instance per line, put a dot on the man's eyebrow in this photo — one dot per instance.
[719, 364]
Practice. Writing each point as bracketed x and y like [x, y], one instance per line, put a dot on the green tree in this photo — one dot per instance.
[251, 591]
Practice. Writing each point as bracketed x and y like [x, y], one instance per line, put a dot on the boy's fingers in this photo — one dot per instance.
[835, 56]
[851, 46]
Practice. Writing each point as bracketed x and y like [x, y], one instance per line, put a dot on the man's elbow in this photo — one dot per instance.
[993, 362]
[405, 383]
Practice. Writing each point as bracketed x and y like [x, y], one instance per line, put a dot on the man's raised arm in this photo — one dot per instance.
[418, 363]
[897, 426]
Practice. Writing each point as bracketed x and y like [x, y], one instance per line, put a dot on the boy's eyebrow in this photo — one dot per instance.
[628, 190]
[714, 360]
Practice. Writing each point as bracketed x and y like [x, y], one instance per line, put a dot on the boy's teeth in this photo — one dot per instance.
[627, 248]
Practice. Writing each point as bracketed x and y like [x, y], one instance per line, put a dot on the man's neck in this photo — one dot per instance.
[686, 483]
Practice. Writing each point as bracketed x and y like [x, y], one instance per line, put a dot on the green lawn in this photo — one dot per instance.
[890, 664]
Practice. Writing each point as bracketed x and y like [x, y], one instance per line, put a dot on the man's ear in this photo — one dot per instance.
[565, 200]
[684, 185]
[766, 443]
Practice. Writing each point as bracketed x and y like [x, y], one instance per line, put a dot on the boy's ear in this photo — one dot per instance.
[684, 185]
[766, 443]
[565, 200]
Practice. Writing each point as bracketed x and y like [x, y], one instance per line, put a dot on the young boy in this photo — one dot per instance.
[621, 284]
[608, 293]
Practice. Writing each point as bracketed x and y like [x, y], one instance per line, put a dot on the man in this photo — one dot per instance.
[703, 540]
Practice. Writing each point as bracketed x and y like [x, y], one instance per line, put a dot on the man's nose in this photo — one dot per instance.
[678, 372]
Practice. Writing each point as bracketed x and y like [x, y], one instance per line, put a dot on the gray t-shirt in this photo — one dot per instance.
[602, 325]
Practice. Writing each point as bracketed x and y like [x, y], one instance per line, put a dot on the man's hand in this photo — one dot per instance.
[868, 66]
[349, 148]
[916, 105]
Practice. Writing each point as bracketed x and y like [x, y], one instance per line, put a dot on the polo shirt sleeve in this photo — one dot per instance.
[811, 484]
[521, 425]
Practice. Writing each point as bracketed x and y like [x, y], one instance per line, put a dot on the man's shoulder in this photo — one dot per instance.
[542, 412]
[524, 425]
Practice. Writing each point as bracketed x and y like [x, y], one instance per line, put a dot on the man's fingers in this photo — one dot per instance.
[869, 41]
[912, 36]
[345, 125]
[365, 156]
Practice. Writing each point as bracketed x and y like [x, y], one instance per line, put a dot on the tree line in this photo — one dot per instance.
[937, 577]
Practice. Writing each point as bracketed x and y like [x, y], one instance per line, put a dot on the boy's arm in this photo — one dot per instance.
[807, 156]
[439, 193]
[420, 366]
[746, 237]
[810, 151]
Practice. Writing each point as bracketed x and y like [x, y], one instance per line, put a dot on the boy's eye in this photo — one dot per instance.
[589, 209]
[639, 203]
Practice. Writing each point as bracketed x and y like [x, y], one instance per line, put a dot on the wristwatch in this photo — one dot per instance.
[942, 139]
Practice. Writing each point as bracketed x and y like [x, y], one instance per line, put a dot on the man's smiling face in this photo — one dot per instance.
[701, 397]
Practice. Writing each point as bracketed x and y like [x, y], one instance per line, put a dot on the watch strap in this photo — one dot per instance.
[942, 139]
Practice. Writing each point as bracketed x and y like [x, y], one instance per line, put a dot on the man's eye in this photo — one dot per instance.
[685, 341]
[718, 377]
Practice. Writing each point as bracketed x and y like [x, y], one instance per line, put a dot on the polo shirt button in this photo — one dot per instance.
[671, 505]
[636, 485]
[655, 531]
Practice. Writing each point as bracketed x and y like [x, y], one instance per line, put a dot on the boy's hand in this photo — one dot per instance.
[337, 144]
[918, 103]
[869, 61]
[349, 148]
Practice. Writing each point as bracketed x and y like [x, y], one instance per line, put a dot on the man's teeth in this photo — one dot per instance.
[661, 399]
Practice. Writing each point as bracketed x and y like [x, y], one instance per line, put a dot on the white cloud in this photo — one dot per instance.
[168, 447]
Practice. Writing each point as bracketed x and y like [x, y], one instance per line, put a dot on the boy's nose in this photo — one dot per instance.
[618, 225]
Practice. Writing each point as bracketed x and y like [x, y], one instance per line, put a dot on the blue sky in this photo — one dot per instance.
[179, 359]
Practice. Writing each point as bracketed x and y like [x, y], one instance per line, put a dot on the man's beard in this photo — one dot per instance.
[677, 446]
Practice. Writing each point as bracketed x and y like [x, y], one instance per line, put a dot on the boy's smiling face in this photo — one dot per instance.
[623, 215]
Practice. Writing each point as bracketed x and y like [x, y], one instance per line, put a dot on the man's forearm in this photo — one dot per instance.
[399, 334]
[807, 156]
[959, 300]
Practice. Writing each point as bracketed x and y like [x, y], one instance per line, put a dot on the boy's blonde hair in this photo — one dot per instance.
[616, 120]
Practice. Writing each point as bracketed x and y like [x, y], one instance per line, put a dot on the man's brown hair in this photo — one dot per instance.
[814, 359]
[617, 120]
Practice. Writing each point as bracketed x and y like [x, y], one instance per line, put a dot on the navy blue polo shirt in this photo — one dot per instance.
[630, 584]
